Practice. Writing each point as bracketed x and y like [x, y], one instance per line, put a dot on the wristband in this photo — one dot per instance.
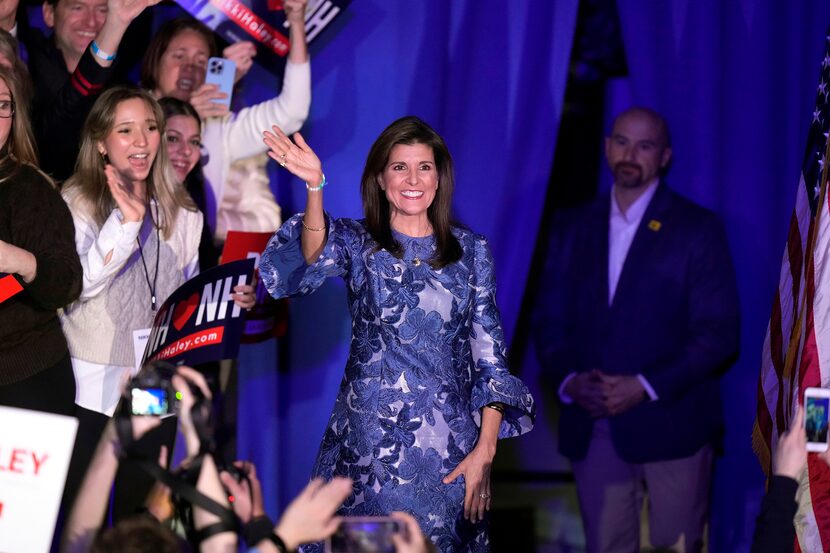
[316, 188]
[100, 53]
[257, 529]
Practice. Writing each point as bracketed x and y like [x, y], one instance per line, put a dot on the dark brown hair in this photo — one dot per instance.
[410, 130]
[20, 145]
[137, 534]
[173, 107]
[161, 41]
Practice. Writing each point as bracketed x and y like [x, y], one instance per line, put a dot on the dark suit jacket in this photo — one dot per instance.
[674, 319]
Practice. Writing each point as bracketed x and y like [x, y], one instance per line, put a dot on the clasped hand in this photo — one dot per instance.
[603, 395]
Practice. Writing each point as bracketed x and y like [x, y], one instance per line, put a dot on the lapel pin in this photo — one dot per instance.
[654, 225]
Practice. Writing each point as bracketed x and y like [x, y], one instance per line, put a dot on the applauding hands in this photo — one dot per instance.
[130, 201]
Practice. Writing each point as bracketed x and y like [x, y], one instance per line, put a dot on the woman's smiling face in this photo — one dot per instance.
[133, 141]
[410, 180]
[184, 143]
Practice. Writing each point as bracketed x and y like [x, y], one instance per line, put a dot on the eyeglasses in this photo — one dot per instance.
[6, 108]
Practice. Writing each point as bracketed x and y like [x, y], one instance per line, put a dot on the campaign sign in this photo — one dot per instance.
[269, 317]
[9, 286]
[35, 449]
[199, 322]
[263, 22]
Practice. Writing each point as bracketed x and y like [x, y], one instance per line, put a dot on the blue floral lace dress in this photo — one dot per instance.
[427, 353]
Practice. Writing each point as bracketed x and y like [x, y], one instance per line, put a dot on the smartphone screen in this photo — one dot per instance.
[149, 401]
[816, 410]
[358, 535]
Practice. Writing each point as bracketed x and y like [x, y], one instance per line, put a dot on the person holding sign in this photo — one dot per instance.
[426, 392]
[38, 264]
[137, 233]
[175, 65]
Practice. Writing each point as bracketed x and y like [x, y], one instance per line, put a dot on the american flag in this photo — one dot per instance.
[797, 346]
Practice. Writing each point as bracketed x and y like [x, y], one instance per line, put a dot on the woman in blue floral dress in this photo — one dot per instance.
[426, 391]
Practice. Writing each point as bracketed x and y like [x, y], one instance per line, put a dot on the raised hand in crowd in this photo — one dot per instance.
[311, 516]
[242, 53]
[130, 202]
[187, 400]
[295, 15]
[120, 13]
[159, 502]
[247, 492]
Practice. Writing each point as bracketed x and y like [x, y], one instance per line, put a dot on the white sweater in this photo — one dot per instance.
[115, 300]
[239, 136]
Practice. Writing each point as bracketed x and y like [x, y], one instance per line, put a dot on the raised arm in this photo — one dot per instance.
[295, 15]
[92, 499]
[120, 13]
[301, 160]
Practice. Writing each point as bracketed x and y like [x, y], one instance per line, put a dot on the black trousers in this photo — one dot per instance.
[50, 391]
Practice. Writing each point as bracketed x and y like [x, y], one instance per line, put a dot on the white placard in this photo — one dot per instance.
[35, 449]
[140, 338]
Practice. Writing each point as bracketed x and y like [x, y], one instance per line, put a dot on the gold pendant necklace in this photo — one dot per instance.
[416, 261]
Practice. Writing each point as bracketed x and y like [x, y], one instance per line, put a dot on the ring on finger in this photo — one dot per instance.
[483, 495]
[282, 163]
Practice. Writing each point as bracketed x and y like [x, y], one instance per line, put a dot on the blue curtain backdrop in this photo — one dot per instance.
[490, 77]
[737, 80]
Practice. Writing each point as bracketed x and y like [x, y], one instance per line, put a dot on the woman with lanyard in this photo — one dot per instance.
[137, 234]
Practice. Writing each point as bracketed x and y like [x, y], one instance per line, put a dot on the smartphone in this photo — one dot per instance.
[816, 411]
[153, 402]
[221, 71]
[364, 535]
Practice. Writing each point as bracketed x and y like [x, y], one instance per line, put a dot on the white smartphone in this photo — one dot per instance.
[816, 412]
